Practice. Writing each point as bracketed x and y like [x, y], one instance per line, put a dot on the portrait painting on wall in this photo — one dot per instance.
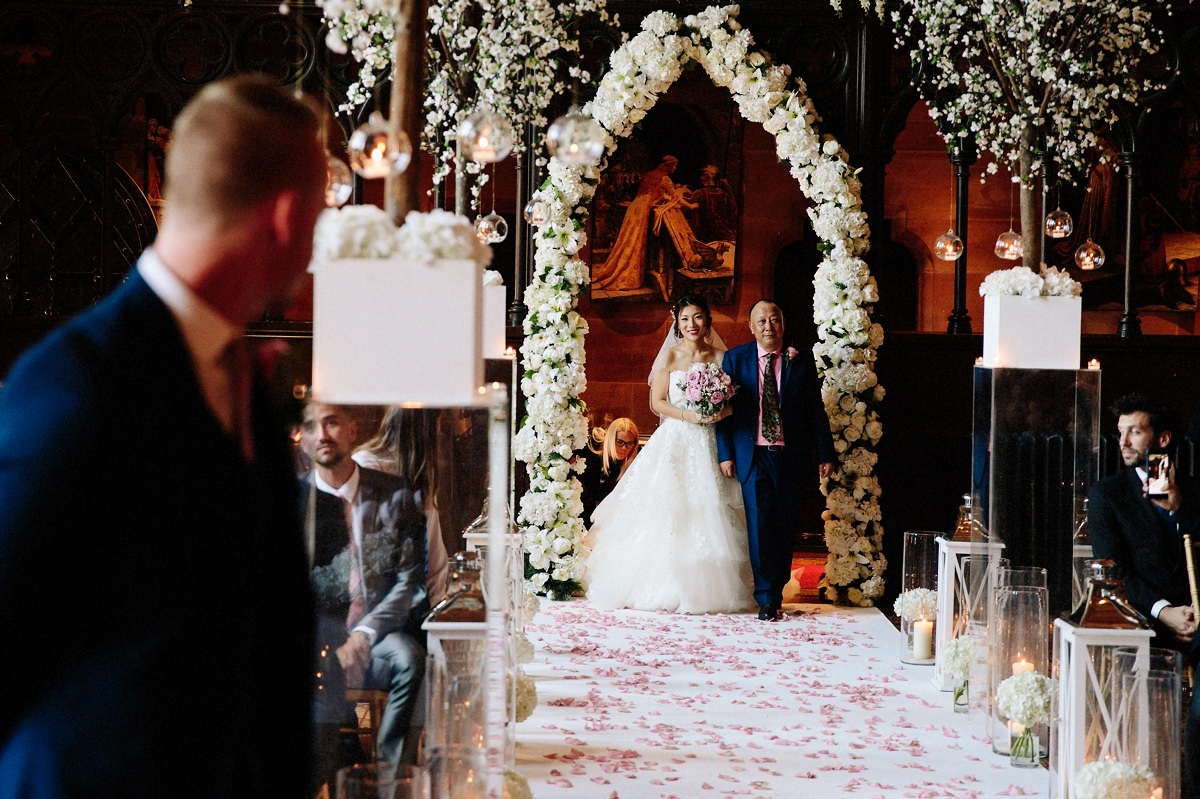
[666, 216]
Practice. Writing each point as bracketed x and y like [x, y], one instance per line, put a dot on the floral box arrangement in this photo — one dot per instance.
[374, 286]
[1031, 320]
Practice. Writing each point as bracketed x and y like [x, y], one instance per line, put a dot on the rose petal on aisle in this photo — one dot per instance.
[667, 705]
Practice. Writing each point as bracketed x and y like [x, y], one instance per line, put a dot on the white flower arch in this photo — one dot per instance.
[553, 353]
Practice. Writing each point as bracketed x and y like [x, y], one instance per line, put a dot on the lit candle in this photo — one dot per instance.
[922, 639]
[979, 361]
[1093, 364]
[510, 353]
[1022, 666]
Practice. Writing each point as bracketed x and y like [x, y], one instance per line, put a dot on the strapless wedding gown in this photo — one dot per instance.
[672, 534]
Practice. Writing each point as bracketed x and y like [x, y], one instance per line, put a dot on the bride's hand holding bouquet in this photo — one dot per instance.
[708, 390]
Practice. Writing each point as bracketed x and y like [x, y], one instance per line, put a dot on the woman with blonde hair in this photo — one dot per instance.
[608, 455]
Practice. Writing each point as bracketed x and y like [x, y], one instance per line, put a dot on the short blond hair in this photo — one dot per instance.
[238, 142]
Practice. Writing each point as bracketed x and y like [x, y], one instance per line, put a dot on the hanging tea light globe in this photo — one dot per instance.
[1059, 224]
[537, 211]
[485, 229]
[376, 150]
[485, 136]
[339, 182]
[1008, 246]
[1090, 255]
[575, 139]
[948, 246]
[499, 228]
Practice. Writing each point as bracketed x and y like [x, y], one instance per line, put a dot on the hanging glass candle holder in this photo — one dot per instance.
[1090, 255]
[1008, 245]
[575, 139]
[499, 228]
[1059, 224]
[948, 246]
[537, 211]
[339, 182]
[485, 136]
[377, 151]
[485, 230]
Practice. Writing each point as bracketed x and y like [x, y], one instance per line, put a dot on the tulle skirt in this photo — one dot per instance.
[672, 534]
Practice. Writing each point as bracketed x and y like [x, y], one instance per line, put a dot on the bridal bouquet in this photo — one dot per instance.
[1112, 779]
[706, 387]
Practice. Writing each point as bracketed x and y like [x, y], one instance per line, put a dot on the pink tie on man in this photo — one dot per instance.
[358, 603]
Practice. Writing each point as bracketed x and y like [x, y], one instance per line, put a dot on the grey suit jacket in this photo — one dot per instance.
[393, 528]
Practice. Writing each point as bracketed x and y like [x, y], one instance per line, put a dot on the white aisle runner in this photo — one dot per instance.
[815, 706]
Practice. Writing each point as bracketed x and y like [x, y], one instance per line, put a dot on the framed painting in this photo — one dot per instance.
[666, 217]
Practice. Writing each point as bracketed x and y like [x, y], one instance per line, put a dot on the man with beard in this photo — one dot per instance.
[1143, 536]
[367, 546]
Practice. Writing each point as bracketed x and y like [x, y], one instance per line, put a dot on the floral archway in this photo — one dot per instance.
[553, 355]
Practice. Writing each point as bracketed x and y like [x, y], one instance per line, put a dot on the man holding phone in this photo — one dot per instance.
[1141, 530]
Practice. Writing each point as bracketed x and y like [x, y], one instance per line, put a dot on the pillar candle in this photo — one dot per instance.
[1021, 666]
[922, 639]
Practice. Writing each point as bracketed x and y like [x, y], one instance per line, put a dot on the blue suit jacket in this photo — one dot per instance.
[801, 410]
[153, 586]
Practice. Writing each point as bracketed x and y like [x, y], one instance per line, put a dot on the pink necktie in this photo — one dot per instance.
[357, 603]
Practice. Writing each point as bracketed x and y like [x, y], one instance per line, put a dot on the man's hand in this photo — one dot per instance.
[1180, 620]
[825, 470]
[727, 468]
[355, 657]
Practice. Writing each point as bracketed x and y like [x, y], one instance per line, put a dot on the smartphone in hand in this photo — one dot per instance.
[1158, 465]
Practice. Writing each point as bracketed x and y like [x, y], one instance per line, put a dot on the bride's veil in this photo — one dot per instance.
[664, 352]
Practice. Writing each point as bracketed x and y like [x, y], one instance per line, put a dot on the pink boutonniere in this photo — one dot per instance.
[790, 354]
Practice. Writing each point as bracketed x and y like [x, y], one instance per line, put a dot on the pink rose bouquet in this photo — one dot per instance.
[707, 388]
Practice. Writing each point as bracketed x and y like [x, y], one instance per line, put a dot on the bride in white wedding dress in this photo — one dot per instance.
[672, 534]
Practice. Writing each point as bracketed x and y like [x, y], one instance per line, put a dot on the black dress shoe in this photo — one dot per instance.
[768, 613]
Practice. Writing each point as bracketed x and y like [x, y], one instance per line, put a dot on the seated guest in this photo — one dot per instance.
[1143, 536]
[608, 454]
[367, 546]
[404, 446]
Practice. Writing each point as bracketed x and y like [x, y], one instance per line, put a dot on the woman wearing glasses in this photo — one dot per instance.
[608, 455]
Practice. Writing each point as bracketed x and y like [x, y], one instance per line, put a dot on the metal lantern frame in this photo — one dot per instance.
[953, 595]
[1088, 705]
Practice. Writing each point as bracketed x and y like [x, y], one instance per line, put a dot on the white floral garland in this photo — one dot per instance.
[640, 71]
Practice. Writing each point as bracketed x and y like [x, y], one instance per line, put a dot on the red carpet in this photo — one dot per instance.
[807, 570]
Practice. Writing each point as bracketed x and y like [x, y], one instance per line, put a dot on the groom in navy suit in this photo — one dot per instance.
[767, 442]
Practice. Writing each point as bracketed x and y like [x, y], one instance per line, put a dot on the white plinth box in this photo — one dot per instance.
[388, 331]
[1031, 332]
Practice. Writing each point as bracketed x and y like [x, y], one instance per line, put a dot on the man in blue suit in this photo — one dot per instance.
[153, 583]
[767, 442]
